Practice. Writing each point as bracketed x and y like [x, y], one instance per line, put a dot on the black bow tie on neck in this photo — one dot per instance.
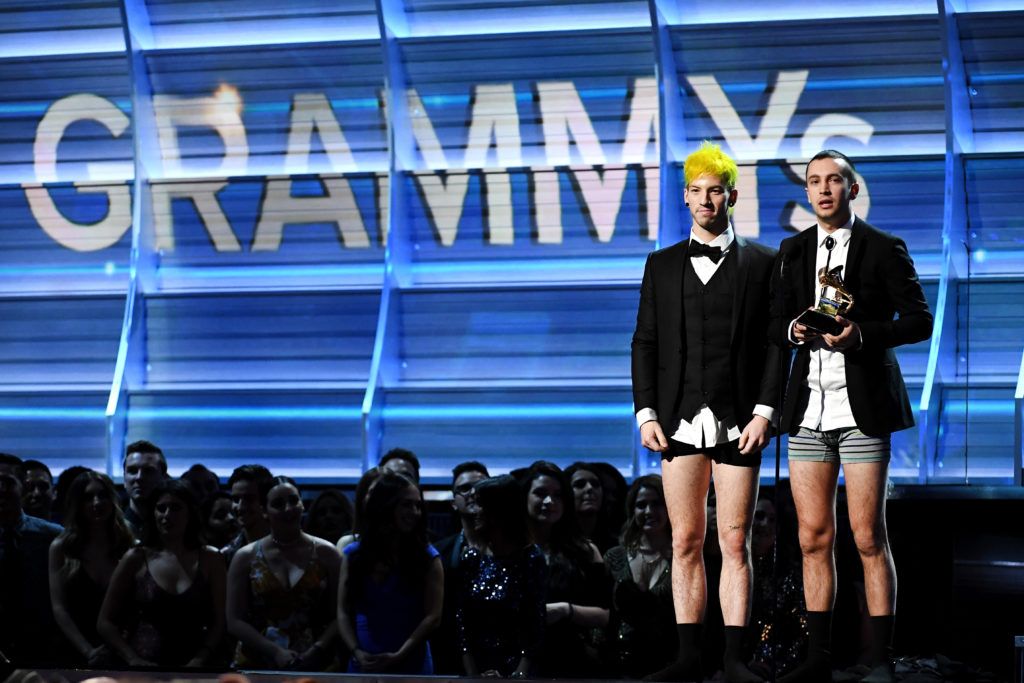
[698, 249]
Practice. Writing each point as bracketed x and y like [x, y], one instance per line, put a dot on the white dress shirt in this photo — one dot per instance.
[829, 404]
[706, 429]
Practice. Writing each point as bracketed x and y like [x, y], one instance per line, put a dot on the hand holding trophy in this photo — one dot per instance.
[835, 300]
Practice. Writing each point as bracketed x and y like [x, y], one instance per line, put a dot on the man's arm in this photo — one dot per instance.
[645, 364]
[644, 349]
[914, 320]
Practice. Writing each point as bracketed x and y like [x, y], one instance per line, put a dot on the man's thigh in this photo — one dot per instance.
[686, 480]
[866, 484]
[814, 492]
[735, 496]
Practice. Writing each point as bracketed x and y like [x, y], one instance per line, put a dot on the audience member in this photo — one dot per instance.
[220, 526]
[82, 562]
[777, 612]
[283, 589]
[642, 626]
[37, 498]
[615, 489]
[145, 467]
[27, 627]
[578, 592]
[165, 603]
[465, 476]
[203, 481]
[330, 516]
[589, 503]
[244, 485]
[501, 605]
[61, 487]
[401, 461]
[363, 487]
[392, 583]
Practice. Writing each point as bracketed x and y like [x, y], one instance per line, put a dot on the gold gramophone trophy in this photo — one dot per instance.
[835, 300]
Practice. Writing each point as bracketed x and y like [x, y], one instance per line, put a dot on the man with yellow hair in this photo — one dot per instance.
[705, 381]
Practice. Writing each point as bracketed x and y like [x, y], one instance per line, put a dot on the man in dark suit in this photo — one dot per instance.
[704, 387]
[844, 398]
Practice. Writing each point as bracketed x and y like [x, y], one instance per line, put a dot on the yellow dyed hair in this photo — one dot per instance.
[709, 159]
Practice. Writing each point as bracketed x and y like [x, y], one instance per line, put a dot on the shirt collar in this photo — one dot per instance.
[724, 240]
[841, 234]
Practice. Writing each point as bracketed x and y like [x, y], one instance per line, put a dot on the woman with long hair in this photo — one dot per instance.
[501, 609]
[165, 604]
[330, 516]
[82, 562]
[392, 585]
[281, 590]
[363, 487]
[590, 503]
[641, 630]
[578, 591]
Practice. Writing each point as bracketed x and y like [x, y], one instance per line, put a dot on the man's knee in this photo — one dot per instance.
[735, 544]
[687, 545]
[817, 539]
[871, 539]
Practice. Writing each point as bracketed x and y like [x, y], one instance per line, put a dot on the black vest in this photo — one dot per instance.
[707, 320]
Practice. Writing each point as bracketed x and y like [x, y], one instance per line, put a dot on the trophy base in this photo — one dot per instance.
[821, 322]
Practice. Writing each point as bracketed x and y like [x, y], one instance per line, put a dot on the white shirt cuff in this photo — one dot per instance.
[767, 412]
[645, 415]
[791, 338]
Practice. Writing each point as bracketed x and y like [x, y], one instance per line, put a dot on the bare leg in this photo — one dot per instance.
[814, 493]
[686, 480]
[865, 497]
[736, 495]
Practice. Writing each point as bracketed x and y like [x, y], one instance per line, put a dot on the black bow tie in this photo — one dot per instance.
[698, 249]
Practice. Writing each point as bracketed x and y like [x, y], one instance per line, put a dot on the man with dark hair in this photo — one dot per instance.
[401, 461]
[244, 485]
[465, 475]
[39, 493]
[844, 399]
[145, 467]
[704, 388]
[27, 628]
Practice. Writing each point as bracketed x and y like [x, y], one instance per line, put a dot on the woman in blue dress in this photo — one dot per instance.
[392, 585]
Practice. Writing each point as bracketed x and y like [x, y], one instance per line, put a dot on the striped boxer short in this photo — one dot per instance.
[849, 445]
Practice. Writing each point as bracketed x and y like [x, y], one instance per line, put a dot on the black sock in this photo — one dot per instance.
[689, 642]
[880, 630]
[735, 667]
[819, 635]
[686, 667]
[817, 668]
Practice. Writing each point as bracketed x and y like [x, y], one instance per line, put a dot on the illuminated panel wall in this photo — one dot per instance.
[304, 232]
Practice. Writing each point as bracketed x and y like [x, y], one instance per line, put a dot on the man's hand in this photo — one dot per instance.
[803, 334]
[849, 338]
[652, 437]
[755, 435]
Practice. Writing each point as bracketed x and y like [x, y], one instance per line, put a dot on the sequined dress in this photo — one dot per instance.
[778, 617]
[501, 608]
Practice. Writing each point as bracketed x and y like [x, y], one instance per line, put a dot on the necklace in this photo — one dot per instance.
[650, 555]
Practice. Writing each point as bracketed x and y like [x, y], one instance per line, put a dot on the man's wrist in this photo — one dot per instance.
[645, 415]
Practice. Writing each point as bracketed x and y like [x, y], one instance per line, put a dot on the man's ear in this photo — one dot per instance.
[854, 190]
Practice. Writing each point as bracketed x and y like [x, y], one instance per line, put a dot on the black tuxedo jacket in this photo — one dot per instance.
[659, 341]
[881, 277]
